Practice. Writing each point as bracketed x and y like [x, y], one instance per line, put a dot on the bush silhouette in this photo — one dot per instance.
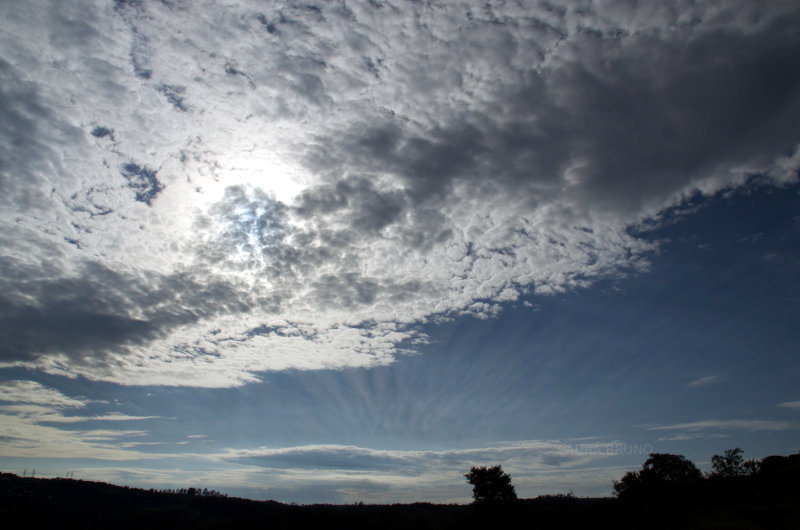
[490, 485]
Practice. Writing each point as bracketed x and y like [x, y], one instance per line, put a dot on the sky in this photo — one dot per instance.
[343, 251]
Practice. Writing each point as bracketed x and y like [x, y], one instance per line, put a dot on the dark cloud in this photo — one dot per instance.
[628, 123]
[353, 290]
[347, 290]
[665, 114]
[30, 133]
[65, 327]
[78, 317]
[102, 313]
[367, 209]
[427, 165]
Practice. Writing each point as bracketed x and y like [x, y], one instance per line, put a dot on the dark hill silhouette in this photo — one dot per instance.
[767, 499]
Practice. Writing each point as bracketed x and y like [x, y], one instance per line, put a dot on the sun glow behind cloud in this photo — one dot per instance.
[251, 166]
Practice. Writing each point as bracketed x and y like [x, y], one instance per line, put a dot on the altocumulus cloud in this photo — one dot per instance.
[193, 193]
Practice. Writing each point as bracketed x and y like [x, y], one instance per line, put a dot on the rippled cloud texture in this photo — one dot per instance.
[194, 193]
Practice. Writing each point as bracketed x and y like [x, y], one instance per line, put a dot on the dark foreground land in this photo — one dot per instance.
[767, 500]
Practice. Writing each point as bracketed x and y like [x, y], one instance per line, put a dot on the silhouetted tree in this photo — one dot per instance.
[665, 467]
[731, 464]
[490, 485]
[659, 469]
[775, 464]
[751, 467]
[629, 482]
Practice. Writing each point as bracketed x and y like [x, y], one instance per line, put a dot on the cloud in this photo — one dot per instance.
[790, 404]
[325, 486]
[28, 429]
[706, 380]
[40, 414]
[330, 486]
[31, 392]
[746, 425]
[525, 456]
[341, 473]
[292, 188]
[692, 436]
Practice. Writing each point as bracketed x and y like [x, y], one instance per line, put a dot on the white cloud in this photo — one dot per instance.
[28, 429]
[317, 486]
[345, 474]
[341, 473]
[707, 380]
[23, 437]
[36, 394]
[746, 425]
[524, 457]
[259, 188]
[790, 404]
[692, 436]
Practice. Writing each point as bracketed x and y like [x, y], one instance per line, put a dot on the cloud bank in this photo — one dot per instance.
[194, 193]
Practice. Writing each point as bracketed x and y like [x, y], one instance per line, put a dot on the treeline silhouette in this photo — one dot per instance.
[191, 492]
[667, 492]
[671, 492]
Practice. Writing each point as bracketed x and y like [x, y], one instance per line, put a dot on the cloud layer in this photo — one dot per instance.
[41, 422]
[340, 473]
[194, 193]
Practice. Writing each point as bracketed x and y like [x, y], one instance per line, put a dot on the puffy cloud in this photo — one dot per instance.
[260, 187]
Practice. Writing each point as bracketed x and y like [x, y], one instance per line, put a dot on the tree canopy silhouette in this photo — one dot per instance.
[490, 485]
[731, 464]
[659, 469]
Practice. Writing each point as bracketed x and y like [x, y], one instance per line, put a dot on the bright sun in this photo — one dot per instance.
[191, 214]
[252, 169]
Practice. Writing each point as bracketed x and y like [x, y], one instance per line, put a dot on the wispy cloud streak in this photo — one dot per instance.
[729, 425]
